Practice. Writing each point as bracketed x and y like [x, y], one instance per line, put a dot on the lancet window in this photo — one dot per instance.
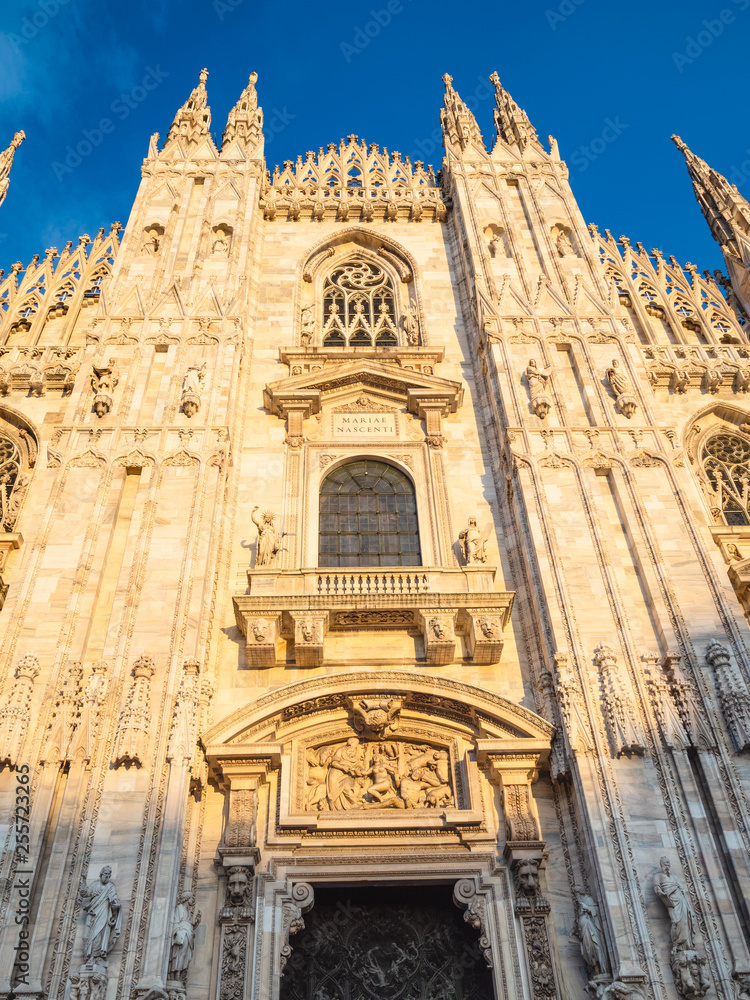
[368, 517]
[359, 308]
[726, 463]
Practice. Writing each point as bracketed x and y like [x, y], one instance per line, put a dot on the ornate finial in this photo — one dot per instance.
[459, 124]
[512, 125]
[245, 120]
[6, 162]
[193, 120]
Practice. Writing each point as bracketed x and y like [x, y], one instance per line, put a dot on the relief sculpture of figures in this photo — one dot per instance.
[184, 922]
[472, 543]
[103, 917]
[269, 539]
[356, 775]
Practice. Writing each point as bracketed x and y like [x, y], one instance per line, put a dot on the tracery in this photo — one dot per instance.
[359, 307]
[726, 463]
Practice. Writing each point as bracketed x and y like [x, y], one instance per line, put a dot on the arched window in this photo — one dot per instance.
[359, 307]
[368, 517]
[726, 462]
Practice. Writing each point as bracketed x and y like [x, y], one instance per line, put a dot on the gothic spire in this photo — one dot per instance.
[193, 120]
[728, 216]
[459, 124]
[512, 125]
[6, 162]
[245, 120]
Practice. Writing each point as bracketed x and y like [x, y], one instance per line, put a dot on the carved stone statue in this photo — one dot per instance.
[472, 543]
[538, 380]
[151, 246]
[103, 917]
[621, 387]
[687, 962]
[411, 325]
[192, 386]
[496, 247]
[308, 326]
[675, 898]
[103, 382]
[590, 933]
[220, 245]
[269, 539]
[378, 775]
[564, 246]
[184, 922]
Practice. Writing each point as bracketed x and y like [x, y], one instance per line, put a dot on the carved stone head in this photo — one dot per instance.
[260, 629]
[238, 885]
[105, 874]
[664, 864]
[527, 877]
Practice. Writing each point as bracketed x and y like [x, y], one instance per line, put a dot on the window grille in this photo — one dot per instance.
[368, 517]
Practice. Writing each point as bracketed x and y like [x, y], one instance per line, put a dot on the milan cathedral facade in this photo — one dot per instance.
[375, 560]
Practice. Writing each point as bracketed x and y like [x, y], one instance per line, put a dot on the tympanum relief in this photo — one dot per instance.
[377, 775]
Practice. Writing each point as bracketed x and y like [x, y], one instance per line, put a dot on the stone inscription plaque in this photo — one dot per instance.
[360, 425]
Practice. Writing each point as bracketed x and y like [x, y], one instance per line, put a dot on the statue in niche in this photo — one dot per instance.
[588, 930]
[472, 543]
[308, 326]
[151, 246]
[377, 775]
[496, 247]
[411, 325]
[103, 912]
[269, 539]
[221, 243]
[675, 898]
[564, 246]
[184, 922]
[193, 380]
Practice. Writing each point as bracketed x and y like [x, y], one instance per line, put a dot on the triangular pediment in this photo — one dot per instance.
[411, 386]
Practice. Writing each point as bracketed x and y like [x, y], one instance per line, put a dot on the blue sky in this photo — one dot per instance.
[329, 70]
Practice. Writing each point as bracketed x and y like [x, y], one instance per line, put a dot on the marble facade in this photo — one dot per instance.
[542, 703]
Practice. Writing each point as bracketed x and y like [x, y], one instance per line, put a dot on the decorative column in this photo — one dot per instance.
[240, 771]
[167, 891]
[734, 697]
[524, 849]
[15, 715]
[135, 718]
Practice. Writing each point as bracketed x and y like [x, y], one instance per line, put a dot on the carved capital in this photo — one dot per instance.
[514, 773]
